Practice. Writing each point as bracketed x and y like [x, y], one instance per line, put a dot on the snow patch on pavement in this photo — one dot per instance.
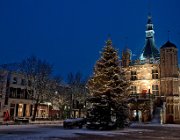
[44, 133]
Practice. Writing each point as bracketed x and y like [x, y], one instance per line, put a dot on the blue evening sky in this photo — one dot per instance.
[71, 33]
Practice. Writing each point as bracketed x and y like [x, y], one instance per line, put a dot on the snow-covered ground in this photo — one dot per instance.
[41, 132]
[156, 124]
[44, 132]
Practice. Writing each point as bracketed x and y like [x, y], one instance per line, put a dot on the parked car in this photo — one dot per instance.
[77, 122]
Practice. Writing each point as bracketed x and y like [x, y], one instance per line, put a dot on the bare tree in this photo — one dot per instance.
[62, 101]
[78, 91]
[53, 86]
[58, 95]
[38, 73]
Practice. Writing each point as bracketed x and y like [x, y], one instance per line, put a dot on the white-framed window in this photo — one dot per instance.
[155, 89]
[133, 90]
[133, 75]
[13, 92]
[155, 74]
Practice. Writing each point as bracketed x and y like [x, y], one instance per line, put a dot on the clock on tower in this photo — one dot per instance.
[149, 33]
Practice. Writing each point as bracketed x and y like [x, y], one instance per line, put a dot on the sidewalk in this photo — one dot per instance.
[155, 124]
[59, 122]
[46, 122]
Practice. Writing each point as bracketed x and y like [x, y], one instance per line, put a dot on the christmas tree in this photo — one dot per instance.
[108, 92]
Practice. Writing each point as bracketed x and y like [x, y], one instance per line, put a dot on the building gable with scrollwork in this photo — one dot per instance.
[154, 78]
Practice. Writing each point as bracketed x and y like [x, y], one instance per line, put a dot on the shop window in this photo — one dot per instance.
[20, 110]
[28, 110]
[170, 109]
[176, 112]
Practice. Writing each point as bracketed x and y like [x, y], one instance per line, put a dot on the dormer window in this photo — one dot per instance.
[14, 80]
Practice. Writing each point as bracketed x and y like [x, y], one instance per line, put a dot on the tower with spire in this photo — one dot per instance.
[150, 52]
[143, 74]
[154, 79]
[169, 82]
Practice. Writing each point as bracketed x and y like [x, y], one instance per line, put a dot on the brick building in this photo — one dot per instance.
[154, 78]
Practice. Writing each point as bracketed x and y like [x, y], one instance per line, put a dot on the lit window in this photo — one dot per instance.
[133, 90]
[176, 109]
[133, 75]
[170, 109]
[155, 90]
[20, 110]
[155, 74]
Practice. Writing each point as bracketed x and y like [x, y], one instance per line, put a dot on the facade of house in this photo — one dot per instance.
[154, 78]
[16, 97]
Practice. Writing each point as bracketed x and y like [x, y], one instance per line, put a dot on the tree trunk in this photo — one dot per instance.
[35, 110]
[79, 112]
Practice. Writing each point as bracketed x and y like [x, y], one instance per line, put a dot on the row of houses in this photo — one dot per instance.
[16, 98]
